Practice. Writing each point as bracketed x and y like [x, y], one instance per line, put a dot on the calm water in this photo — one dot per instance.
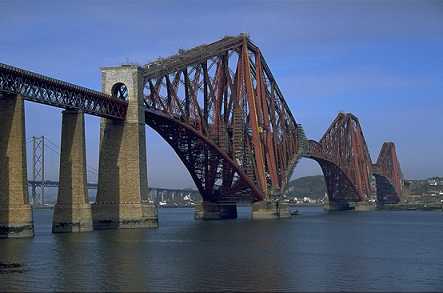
[315, 251]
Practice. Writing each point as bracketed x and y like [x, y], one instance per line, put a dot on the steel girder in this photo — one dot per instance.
[388, 175]
[216, 176]
[344, 158]
[45, 90]
[221, 110]
[240, 133]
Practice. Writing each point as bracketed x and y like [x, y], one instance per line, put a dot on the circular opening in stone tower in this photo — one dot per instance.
[120, 91]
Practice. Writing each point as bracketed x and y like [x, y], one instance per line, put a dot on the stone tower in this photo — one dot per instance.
[122, 182]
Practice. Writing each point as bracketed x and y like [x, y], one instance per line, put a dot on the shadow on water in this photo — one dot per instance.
[10, 268]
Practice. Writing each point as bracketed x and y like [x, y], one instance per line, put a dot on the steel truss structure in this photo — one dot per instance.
[347, 166]
[220, 108]
[45, 90]
[38, 171]
[388, 175]
[344, 158]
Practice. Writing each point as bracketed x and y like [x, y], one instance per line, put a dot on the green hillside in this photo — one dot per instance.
[310, 186]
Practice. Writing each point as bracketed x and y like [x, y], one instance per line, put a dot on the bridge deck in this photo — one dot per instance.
[189, 57]
[45, 90]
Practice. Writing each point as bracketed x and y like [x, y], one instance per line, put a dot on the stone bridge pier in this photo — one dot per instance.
[72, 212]
[15, 210]
[215, 211]
[122, 182]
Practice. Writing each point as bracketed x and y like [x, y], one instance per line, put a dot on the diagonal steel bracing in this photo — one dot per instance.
[220, 108]
[344, 158]
[240, 134]
[388, 175]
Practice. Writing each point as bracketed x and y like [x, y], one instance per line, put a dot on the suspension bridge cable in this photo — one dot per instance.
[88, 167]
[50, 148]
[54, 148]
[49, 141]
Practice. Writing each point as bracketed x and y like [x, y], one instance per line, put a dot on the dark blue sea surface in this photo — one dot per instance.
[314, 251]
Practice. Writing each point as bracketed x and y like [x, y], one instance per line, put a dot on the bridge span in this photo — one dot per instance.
[221, 110]
[344, 158]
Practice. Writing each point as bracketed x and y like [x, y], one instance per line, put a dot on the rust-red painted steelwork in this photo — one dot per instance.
[388, 175]
[344, 158]
[221, 110]
[225, 116]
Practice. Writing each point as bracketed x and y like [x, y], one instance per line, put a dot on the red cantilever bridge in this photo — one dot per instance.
[221, 110]
[346, 164]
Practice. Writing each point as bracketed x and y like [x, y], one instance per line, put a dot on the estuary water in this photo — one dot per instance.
[314, 251]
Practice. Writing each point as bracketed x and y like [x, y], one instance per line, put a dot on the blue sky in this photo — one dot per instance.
[381, 60]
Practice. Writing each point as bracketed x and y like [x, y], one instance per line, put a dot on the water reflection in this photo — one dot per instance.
[315, 252]
[13, 266]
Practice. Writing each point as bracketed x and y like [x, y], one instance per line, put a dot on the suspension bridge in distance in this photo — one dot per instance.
[221, 110]
[40, 146]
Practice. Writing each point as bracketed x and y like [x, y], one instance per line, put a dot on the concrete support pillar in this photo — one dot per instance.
[337, 206]
[122, 195]
[270, 210]
[72, 213]
[362, 206]
[215, 211]
[15, 210]
[343, 205]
